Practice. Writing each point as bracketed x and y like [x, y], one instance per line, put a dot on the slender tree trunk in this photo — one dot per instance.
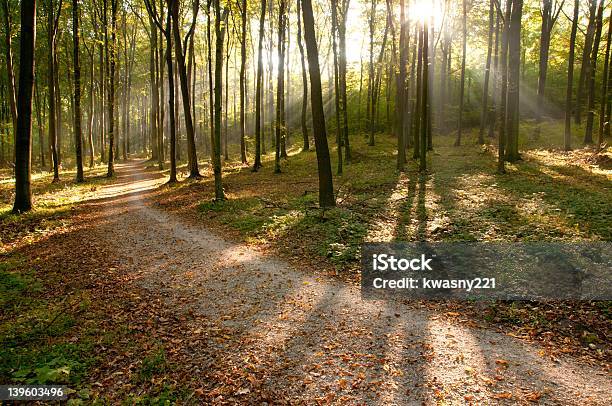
[220, 27]
[258, 124]
[496, 78]
[39, 122]
[485, 88]
[514, 63]
[377, 85]
[425, 101]
[51, 37]
[78, 134]
[90, 116]
[604, 118]
[111, 55]
[588, 135]
[586, 59]
[154, 111]
[570, 78]
[342, 73]
[243, 61]
[326, 188]
[547, 21]
[369, 109]
[171, 93]
[418, 122]
[280, 88]
[400, 89]
[462, 85]
[186, 98]
[8, 49]
[23, 138]
[306, 145]
[501, 159]
[334, 13]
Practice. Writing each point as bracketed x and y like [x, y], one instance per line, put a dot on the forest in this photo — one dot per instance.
[186, 188]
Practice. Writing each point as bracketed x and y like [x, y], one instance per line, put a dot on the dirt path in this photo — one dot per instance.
[249, 328]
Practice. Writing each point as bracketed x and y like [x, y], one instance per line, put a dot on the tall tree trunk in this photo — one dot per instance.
[545, 32]
[211, 102]
[8, 49]
[52, 22]
[417, 122]
[501, 151]
[344, 7]
[78, 133]
[243, 61]
[401, 90]
[514, 63]
[377, 84]
[604, 118]
[588, 135]
[90, 115]
[259, 80]
[334, 29]
[39, 121]
[306, 145]
[570, 79]
[111, 47]
[186, 98]
[586, 59]
[496, 78]
[485, 88]
[154, 111]
[280, 88]
[425, 100]
[326, 188]
[23, 138]
[220, 27]
[369, 109]
[462, 83]
[171, 94]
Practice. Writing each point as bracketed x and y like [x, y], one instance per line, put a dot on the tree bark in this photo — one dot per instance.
[401, 91]
[259, 80]
[280, 88]
[8, 49]
[220, 36]
[588, 135]
[23, 138]
[243, 61]
[462, 83]
[604, 118]
[334, 29]
[52, 22]
[425, 100]
[78, 133]
[306, 144]
[186, 98]
[514, 63]
[586, 59]
[501, 150]
[326, 188]
[570, 79]
[485, 88]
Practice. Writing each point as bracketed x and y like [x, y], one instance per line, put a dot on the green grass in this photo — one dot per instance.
[550, 195]
[32, 331]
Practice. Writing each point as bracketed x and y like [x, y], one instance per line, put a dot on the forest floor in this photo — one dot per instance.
[130, 290]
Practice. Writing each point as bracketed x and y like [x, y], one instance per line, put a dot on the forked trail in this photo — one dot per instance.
[249, 328]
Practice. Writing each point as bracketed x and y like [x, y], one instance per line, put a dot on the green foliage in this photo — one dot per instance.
[153, 364]
[30, 352]
[165, 395]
